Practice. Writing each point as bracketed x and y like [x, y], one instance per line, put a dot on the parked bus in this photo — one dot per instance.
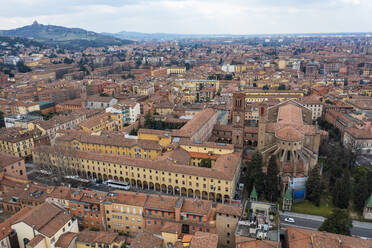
[118, 185]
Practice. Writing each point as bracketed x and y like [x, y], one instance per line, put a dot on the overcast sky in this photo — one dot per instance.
[193, 16]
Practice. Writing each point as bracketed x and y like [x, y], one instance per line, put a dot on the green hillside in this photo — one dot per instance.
[73, 38]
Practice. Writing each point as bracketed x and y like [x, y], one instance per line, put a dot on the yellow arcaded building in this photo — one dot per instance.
[163, 174]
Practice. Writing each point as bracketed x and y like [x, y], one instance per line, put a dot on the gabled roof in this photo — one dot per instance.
[288, 194]
[369, 202]
[253, 193]
[46, 219]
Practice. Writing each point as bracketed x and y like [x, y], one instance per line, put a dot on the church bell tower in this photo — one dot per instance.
[238, 114]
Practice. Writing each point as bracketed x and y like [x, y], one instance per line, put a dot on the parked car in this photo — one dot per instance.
[290, 220]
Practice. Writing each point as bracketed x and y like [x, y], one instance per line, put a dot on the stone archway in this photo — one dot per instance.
[204, 195]
[170, 189]
[145, 185]
[164, 188]
[121, 179]
[211, 196]
[190, 193]
[139, 184]
[183, 191]
[133, 183]
[151, 185]
[157, 187]
[219, 198]
[177, 190]
[197, 194]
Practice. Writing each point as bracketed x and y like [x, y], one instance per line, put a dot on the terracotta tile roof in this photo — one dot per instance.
[254, 243]
[108, 138]
[153, 131]
[129, 198]
[289, 133]
[290, 114]
[87, 236]
[229, 209]
[226, 128]
[178, 156]
[147, 240]
[60, 192]
[35, 241]
[161, 202]
[96, 120]
[58, 120]
[65, 240]
[97, 98]
[298, 237]
[7, 159]
[360, 133]
[5, 227]
[289, 124]
[202, 155]
[172, 227]
[365, 104]
[198, 121]
[224, 167]
[196, 207]
[46, 219]
[16, 134]
[88, 196]
[204, 240]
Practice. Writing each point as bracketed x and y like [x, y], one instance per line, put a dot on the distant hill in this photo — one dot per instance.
[159, 36]
[169, 36]
[73, 38]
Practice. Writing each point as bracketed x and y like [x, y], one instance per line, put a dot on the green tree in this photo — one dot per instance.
[272, 180]
[22, 68]
[360, 194]
[282, 87]
[206, 162]
[314, 186]
[342, 191]
[67, 61]
[265, 87]
[338, 222]
[148, 121]
[133, 132]
[369, 181]
[255, 174]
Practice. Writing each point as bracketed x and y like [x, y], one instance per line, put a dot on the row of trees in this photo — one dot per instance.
[267, 185]
[348, 185]
[340, 179]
